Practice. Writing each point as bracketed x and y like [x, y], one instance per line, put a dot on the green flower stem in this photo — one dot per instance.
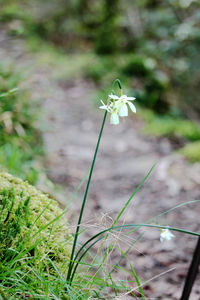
[119, 83]
[125, 227]
[80, 258]
[120, 214]
[84, 201]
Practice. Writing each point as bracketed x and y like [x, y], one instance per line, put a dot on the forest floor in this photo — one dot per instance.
[72, 123]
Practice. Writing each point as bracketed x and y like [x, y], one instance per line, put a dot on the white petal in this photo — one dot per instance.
[103, 107]
[118, 104]
[111, 96]
[123, 98]
[132, 107]
[123, 111]
[170, 235]
[114, 119]
[106, 107]
[103, 103]
[130, 98]
[166, 235]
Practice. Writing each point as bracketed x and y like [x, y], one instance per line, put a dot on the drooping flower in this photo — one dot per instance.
[166, 235]
[118, 107]
[123, 104]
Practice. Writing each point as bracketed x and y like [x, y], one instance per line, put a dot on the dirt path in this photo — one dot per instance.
[72, 125]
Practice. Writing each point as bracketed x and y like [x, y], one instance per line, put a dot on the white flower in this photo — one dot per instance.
[118, 107]
[123, 104]
[166, 235]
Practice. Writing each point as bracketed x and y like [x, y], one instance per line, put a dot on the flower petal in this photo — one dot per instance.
[118, 104]
[130, 98]
[114, 97]
[123, 98]
[103, 107]
[114, 119]
[132, 107]
[123, 112]
[166, 235]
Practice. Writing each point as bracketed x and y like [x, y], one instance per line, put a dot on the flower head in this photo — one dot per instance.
[166, 235]
[118, 107]
[123, 104]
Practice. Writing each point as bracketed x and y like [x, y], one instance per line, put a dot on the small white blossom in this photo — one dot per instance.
[114, 118]
[166, 235]
[118, 107]
[123, 104]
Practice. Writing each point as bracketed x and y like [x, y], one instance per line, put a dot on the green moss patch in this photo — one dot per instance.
[34, 235]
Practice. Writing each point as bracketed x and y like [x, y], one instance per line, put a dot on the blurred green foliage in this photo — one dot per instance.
[170, 126]
[192, 152]
[20, 141]
[155, 43]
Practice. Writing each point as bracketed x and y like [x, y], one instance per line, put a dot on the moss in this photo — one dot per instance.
[27, 230]
[191, 151]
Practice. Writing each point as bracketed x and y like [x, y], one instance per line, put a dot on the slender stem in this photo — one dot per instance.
[119, 83]
[80, 258]
[84, 201]
[133, 194]
[121, 212]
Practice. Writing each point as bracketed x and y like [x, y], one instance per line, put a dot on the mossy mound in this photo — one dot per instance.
[33, 231]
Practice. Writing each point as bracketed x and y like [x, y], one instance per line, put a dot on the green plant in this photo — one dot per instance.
[34, 237]
[77, 257]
